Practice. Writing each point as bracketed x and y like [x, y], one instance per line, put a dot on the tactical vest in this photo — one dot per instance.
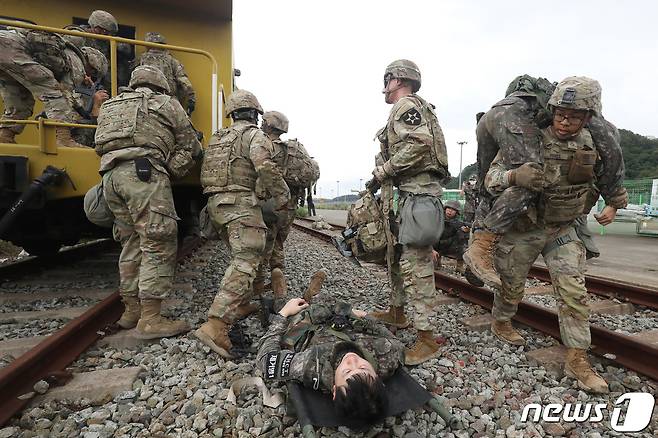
[365, 233]
[299, 169]
[437, 159]
[160, 60]
[131, 119]
[227, 164]
[569, 172]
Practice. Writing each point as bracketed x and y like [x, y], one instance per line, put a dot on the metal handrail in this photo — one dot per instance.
[113, 57]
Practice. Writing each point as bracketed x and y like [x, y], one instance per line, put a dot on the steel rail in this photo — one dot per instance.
[627, 350]
[61, 348]
[605, 287]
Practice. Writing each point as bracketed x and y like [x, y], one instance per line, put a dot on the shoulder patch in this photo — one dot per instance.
[277, 365]
[411, 117]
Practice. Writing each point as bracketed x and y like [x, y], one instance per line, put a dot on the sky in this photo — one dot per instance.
[321, 63]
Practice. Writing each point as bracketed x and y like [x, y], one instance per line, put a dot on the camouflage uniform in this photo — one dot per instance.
[106, 21]
[22, 78]
[532, 235]
[453, 239]
[308, 347]
[179, 84]
[234, 209]
[406, 154]
[144, 125]
[470, 199]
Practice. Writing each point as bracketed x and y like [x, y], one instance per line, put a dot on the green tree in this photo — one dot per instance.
[640, 155]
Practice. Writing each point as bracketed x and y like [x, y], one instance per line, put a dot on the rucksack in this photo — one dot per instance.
[47, 49]
[301, 169]
[365, 234]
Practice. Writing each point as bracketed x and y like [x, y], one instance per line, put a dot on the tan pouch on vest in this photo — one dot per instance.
[581, 169]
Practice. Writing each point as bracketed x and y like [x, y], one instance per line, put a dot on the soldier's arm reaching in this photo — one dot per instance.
[188, 147]
[610, 168]
[185, 90]
[414, 133]
[270, 175]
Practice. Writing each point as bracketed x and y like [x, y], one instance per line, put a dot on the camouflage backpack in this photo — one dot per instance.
[365, 233]
[47, 48]
[301, 171]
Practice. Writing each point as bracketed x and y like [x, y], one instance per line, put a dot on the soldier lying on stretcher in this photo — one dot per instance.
[332, 349]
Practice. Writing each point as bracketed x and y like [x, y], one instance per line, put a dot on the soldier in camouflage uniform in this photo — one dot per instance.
[278, 222]
[145, 138]
[565, 179]
[334, 350]
[454, 237]
[413, 157]
[179, 84]
[470, 189]
[513, 126]
[32, 64]
[238, 159]
[104, 23]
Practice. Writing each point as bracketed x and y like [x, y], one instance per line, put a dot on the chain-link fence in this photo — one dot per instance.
[642, 191]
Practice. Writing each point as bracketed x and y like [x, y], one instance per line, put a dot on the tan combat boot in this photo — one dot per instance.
[131, 313]
[505, 332]
[214, 333]
[7, 135]
[394, 316]
[259, 288]
[479, 257]
[279, 286]
[152, 325]
[63, 138]
[315, 285]
[246, 309]
[577, 367]
[423, 350]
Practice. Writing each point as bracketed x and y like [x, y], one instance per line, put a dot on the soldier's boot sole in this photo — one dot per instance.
[472, 278]
[513, 338]
[279, 286]
[317, 279]
[163, 328]
[481, 271]
[206, 339]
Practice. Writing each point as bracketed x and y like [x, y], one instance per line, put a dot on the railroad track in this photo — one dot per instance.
[605, 287]
[51, 356]
[623, 349]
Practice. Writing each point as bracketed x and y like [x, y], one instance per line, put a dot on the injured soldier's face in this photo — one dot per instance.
[351, 365]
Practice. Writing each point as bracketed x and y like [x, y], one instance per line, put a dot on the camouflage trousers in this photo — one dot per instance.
[21, 80]
[278, 256]
[498, 214]
[238, 219]
[515, 254]
[145, 224]
[413, 280]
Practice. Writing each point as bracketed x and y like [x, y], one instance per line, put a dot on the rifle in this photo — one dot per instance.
[89, 93]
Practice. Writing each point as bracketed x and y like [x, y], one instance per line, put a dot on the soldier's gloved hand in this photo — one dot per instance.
[191, 105]
[619, 199]
[528, 175]
[373, 185]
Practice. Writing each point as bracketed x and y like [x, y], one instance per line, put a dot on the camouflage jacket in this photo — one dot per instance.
[179, 84]
[513, 127]
[470, 196]
[408, 154]
[143, 123]
[306, 348]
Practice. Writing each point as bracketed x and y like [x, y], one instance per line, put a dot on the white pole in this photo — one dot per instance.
[461, 149]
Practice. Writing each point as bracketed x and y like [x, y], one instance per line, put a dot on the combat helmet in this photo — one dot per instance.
[242, 99]
[455, 205]
[155, 37]
[104, 20]
[276, 120]
[541, 88]
[149, 75]
[96, 60]
[403, 69]
[579, 93]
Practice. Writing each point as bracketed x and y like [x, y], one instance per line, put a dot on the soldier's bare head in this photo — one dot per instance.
[358, 391]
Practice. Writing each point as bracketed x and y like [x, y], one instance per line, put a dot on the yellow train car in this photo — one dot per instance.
[199, 34]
